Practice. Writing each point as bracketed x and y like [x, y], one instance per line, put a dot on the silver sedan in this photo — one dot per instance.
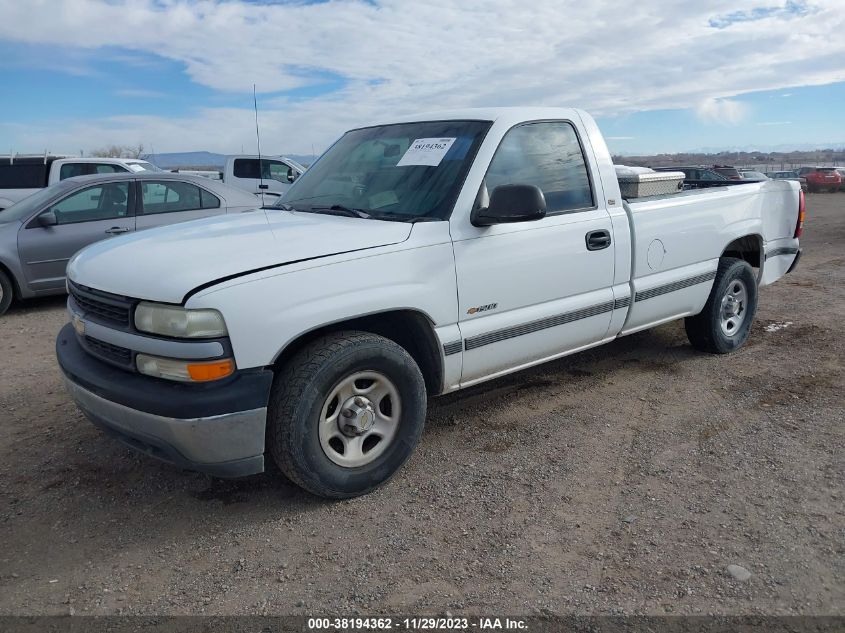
[39, 234]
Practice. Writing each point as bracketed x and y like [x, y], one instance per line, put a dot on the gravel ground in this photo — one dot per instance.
[621, 480]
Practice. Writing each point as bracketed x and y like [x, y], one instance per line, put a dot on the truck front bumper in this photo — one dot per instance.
[216, 428]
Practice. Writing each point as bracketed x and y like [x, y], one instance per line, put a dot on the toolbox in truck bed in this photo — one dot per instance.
[641, 182]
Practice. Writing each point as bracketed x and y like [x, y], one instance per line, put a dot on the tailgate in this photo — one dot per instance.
[780, 211]
[779, 201]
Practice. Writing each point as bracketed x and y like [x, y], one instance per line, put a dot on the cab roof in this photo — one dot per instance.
[506, 115]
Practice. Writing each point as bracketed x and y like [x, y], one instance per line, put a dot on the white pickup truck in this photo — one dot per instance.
[414, 258]
[22, 176]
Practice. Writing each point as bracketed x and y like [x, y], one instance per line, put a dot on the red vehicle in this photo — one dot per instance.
[821, 178]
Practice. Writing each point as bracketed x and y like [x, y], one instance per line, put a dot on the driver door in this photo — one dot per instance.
[530, 291]
[83, 217]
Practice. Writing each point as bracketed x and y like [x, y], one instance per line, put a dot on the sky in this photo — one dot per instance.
[178, 75]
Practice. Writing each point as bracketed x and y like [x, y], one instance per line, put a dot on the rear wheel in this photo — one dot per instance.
[725, 322]
[345, 414]
[7, 292]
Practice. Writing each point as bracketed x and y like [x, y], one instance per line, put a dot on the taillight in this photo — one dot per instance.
[799, 226]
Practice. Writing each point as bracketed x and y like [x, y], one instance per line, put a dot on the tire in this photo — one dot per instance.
[300, 413]
[7, 292]
[714, 329]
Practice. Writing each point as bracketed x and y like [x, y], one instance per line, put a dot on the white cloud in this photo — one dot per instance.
[399, 56]
[723, 111]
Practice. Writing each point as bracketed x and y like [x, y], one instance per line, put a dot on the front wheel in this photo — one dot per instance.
[725, 322]
[345, 414]
[6, 292]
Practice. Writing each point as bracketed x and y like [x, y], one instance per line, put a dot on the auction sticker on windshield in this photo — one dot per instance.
[426, 151]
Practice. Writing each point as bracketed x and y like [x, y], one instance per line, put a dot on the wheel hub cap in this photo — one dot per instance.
[356, 417]
[733, 305]
[360, 418]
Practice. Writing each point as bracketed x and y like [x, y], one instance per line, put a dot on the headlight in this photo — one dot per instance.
[184, 370]
[158, 318]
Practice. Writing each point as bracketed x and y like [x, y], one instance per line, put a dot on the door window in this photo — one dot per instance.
[170, 197]
[70, 170]
[101, 202]
[278, 171]
[106, 168]
[549, 156]
[209, 200]
[246, 168]
[270, 169]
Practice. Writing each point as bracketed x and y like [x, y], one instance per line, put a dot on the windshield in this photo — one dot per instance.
[298, 166]
[30, 204]
[405, 171]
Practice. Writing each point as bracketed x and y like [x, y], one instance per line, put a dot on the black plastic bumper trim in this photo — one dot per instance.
[794, 264]
[783, 250]
[245, 390]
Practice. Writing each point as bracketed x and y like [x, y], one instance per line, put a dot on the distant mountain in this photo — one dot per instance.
[766, 160]
[784, 148]
[209, 160]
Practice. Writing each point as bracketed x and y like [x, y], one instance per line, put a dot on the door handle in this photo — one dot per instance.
[597, 240]
[263, 186]
[117, 229]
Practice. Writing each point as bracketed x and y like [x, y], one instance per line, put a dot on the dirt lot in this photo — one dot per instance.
[621, 480]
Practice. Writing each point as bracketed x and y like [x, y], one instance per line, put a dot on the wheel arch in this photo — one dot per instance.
[409, 328]
[748, 248]
[16, 288]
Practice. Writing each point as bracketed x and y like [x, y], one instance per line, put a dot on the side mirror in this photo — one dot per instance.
[511, 203]
[292, 175]
[48, 218]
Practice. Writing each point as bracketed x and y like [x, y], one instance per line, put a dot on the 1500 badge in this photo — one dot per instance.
[484, 308]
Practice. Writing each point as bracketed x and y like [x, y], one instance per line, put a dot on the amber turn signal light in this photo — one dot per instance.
[200, 372]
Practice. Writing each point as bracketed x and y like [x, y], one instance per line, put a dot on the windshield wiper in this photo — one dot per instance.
[339, 209]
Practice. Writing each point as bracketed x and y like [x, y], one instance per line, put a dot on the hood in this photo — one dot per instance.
[165, 264]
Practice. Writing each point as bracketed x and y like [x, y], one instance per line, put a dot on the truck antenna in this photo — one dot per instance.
[261, 184]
